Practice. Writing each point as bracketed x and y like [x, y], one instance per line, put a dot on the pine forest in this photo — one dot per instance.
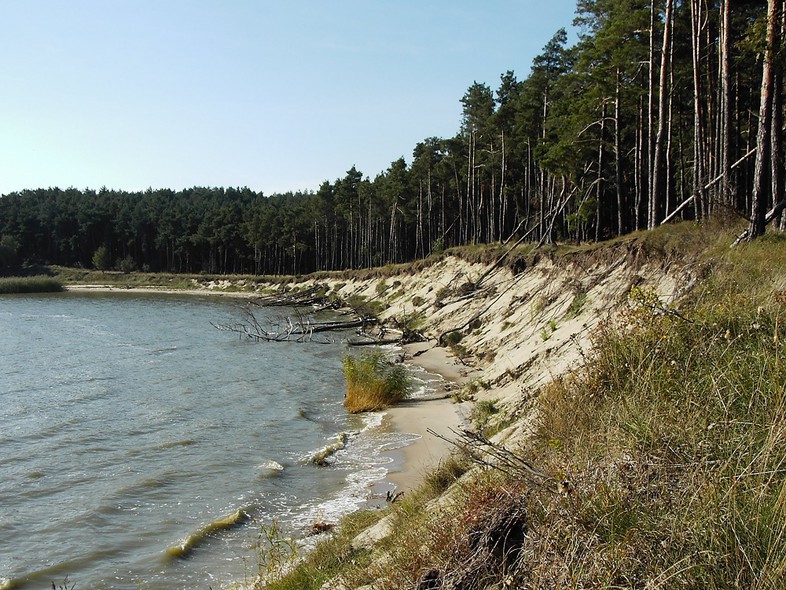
[661, 110]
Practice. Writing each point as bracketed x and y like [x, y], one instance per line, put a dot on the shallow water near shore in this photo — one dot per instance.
[128, 425]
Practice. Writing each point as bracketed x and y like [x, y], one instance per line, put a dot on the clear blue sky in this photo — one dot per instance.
[274, 96]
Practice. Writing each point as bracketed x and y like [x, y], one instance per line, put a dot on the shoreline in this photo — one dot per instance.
[435, 411]
[157, 291]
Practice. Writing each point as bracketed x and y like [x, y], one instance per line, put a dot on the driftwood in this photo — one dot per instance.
[313, 296]
[707, 186]
[297, 327]
[369, 340]
[300, 325]
[771, 214]
[401, 335]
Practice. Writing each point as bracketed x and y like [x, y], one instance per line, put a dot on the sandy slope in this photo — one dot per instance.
[518, 330]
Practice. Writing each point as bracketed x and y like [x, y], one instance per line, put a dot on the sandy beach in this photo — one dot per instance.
[435, 412]
[159, 290]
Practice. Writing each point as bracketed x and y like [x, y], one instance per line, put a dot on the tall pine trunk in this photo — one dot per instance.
[698, 134]
[725, 105]
[656, 196]
[761, 190]
[621, 208]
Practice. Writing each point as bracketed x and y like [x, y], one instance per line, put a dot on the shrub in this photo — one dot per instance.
[40, 284]
[364, 307]
[126, 265]
[446, 474]
[374, 383]
[443, 293]
[453, 338]
[102, 259]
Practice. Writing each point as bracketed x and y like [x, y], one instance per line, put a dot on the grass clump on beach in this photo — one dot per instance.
[37, 284]
[374, 382]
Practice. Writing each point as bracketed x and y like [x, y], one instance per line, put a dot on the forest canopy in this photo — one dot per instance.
[663, 109]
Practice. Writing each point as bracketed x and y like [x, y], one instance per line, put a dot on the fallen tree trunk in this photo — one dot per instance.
[299, 329]
[299, 326]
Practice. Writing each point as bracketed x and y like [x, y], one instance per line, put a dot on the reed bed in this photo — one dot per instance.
[36, 284]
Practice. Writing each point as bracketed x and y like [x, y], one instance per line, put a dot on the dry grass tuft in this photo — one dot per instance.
[374, 382]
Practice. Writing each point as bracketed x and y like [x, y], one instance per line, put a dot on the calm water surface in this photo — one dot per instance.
[127, 423]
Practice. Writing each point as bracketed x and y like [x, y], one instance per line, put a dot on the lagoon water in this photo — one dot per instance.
[128, 423]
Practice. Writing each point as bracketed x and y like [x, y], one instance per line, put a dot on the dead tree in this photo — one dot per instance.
[299, 326]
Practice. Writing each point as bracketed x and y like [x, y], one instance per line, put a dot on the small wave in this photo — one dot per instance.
[399, 440]
[321, 457]
[41, 578]
[274, 465]
[163, 350]
[173, 444]
[154, 483]
[191, 542]
[354, 495]
[306, 415]
[372, 420]
[143, 487]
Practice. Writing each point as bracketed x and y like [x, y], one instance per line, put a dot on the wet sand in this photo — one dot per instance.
[436, 412]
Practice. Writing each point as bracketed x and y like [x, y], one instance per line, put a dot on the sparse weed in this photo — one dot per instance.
[577, 305]
[537, 305]
[483, 411]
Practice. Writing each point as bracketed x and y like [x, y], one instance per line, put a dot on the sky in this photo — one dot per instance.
[273, 96]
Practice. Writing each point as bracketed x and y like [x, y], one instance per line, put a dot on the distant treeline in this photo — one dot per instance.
[663, 109]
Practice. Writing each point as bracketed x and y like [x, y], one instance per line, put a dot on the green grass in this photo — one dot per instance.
[36, 284]
[332, 556]
[71, 276]
[577, 305]
[674, 439]
[373, 382]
